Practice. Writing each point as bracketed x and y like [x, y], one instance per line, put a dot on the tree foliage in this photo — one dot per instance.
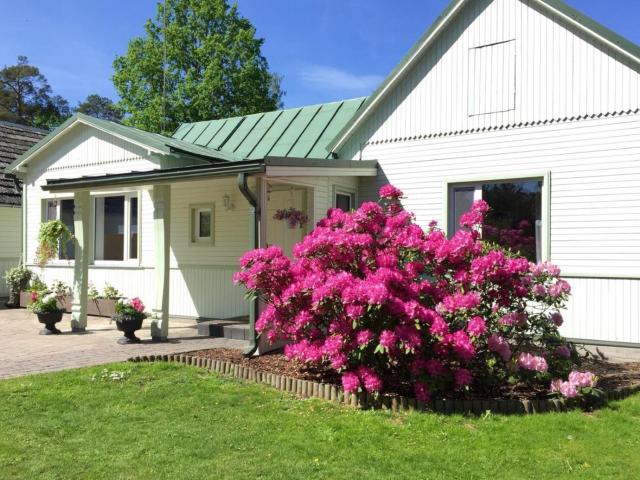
[100, 107]
[214, 68]
[26, 97]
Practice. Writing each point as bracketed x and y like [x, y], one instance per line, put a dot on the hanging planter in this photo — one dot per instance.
[292, 216]
[52, 234]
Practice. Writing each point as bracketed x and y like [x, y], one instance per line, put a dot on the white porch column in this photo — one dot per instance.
[81, 209]
[161, 226]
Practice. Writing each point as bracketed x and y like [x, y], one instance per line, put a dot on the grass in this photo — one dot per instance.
[172, 421]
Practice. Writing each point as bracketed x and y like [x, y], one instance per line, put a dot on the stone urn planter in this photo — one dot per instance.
[128, 325]
[49, 320]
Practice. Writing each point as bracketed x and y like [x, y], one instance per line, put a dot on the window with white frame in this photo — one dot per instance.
[116, 228]
[61, 209]
[202, 223]
[514, 219]
[344, 200]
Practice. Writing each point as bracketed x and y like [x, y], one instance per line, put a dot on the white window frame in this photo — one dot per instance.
[477, 180]
[127, 229]
[343, 191]
[194, 226]
[43, 218]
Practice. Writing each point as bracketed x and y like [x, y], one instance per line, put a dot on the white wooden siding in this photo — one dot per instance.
[559, 75]
[10, 242]
[594, 167]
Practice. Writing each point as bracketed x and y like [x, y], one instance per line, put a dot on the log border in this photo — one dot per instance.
[396, 403]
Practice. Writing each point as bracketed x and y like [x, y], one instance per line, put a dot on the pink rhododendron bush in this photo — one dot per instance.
[388, 305]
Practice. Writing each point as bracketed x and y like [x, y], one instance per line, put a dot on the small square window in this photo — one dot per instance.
[202, 226]
[344, 201]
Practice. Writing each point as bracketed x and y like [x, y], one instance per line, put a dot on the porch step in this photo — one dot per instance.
[234, 329]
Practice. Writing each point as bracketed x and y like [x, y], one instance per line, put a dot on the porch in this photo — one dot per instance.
[191, 226]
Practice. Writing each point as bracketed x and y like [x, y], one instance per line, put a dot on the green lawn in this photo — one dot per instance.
[173, 421]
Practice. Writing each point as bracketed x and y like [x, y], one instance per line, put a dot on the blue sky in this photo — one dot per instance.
[326, 49]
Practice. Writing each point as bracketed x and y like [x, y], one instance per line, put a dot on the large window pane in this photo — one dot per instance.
[133, 227]
[109, 238]
[514, 219]
[462, 201]
[67, 250]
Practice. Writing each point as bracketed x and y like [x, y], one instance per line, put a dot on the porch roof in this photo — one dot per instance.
[274, 166]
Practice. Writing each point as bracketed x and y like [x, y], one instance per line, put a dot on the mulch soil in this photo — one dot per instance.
[611, 376]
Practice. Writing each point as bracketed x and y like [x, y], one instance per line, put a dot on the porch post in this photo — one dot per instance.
[81, 209]
[162, 232]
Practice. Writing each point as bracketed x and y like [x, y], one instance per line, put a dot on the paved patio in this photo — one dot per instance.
[23, 351]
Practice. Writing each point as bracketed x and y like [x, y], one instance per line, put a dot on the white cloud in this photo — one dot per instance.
[335, 79]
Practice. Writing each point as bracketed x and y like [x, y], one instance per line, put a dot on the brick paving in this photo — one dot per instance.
[23, 351]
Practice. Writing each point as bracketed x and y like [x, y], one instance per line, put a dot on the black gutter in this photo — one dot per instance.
[157, 176]
[255, 227]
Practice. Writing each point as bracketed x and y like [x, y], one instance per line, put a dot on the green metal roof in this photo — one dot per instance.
[296, 132]
[160, 143]
[596, 29]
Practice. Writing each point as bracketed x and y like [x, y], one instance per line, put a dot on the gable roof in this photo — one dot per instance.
[570, 15]
[302, 132]
[15, 139]
[152, 141]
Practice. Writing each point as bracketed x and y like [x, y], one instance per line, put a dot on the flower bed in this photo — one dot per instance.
[373, 297]
[276, 371]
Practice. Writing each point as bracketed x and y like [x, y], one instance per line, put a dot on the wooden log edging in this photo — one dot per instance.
[396, 403]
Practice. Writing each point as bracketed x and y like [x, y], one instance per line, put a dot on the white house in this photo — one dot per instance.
[15, 139]
[525, 103]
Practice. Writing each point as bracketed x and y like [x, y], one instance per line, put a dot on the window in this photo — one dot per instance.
[202, 226]
[515, 216]
[344, 201]
[62, 210]
[492, 78]
[116, 228]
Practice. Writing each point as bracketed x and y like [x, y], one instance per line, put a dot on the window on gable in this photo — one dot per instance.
[62, 209]
[492, 78]
[116, 228]
[515, 216]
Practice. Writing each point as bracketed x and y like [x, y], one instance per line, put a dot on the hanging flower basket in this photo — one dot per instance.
[292, 216]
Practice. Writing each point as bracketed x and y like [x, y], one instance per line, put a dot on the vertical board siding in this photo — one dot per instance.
[559, 74]
[11, 235]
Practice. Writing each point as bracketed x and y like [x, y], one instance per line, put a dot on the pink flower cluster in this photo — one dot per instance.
[373, 296]
[137, 304]
[576, 381]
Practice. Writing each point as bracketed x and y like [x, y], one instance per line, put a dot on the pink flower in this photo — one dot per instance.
[582, 379]
[513, 318]
[475, 216]
[476, 326]
[556, 318]
[350, 382]
[390, 192]
[531, 362]
[566, 389]
[462, 377]
[499, 345]
[563, 351]
[388, 339]
[364, 336]
[371, 380]
[137, 304]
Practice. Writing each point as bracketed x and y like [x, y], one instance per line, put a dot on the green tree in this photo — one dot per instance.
[214, 68]
[100, 107]
[26, 97]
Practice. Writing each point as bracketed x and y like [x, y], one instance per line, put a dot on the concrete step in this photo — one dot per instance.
[234, 329]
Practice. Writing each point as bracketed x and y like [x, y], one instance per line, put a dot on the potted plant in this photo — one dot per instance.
[63, 294]
[129, 316]
[35, 285]
[292, 216]
[17, 279]
[45, 306]
[51, 236]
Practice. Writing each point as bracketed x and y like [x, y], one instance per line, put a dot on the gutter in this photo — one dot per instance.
[255, 234]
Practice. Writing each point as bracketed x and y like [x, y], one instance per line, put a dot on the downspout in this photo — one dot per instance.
[255, 234]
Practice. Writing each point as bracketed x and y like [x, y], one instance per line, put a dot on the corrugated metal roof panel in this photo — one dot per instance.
[256, 135]
[243, 130]
[297, 132]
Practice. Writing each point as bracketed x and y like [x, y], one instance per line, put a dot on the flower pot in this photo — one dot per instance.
[49, 319]
[128, 326]
[101, 307]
